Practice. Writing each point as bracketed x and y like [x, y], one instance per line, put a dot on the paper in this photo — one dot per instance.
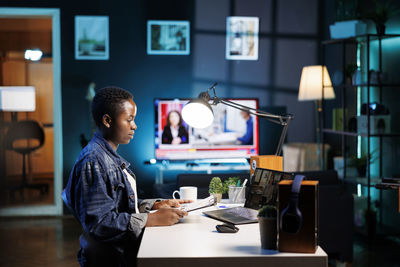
[201, 203]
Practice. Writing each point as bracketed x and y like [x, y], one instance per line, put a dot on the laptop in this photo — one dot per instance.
[262, 190]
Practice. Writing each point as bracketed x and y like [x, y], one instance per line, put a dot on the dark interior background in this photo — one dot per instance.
[290, 35]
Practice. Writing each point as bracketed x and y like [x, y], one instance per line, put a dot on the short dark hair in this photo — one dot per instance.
[108, 100]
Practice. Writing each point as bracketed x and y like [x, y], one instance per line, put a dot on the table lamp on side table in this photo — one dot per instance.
[315, 84]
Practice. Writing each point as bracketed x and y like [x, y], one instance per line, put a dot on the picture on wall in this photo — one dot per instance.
[165, 37]
[91, 38]
[242, 38]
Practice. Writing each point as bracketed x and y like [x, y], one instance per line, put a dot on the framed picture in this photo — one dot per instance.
[91, 38]
[242, 38]
[166, 37]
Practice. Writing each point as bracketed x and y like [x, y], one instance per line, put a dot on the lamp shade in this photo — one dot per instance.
[198, 113]
[17, 98]
[313, 79]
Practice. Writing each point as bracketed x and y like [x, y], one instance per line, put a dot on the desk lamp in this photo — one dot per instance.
[198, 113]
[316, 84]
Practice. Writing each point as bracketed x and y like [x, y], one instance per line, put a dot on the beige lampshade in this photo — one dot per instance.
[311, 83]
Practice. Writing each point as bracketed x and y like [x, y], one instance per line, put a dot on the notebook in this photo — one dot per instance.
[262, 190]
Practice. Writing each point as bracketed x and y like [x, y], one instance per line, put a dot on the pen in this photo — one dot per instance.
[240, 191]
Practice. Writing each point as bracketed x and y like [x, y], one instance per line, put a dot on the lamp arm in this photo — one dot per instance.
[278, 119]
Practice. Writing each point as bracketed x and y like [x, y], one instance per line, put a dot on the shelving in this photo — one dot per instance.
[368, 61]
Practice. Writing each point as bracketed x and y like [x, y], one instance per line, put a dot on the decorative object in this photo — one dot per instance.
[267, 218]
[91, 38]
[242, 38]
[216, 188]
[360, 163]
[347, 20]
[384, 10]
[316, 84]
[345, 29]
[167, 37]
[199, 114]
[337, 119]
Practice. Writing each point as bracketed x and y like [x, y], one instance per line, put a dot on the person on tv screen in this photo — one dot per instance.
[101, 191]
[247, 138]
[174, 132]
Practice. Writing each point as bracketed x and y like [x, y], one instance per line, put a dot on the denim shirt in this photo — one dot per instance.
[102, 198]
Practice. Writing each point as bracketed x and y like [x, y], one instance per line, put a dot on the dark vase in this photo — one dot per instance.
[268, 232]
[362, 171]
[380, 29]
[370, 218]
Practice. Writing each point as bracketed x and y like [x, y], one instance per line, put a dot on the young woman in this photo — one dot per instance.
[174, 132]
[101, 190]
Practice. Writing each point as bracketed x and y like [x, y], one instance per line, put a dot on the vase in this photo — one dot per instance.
[380, 29]
[268, 232]
[217, 197]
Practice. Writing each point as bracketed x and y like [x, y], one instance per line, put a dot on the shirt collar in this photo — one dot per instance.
[120, 161]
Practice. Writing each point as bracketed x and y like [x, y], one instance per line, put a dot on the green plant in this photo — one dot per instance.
[268, 211]
[216, 186]
[230, 181]
[347, 10]
[349, 70]
[383, 11]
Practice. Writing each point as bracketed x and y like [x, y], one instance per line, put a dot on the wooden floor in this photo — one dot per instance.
[39, 242]
[53, 241]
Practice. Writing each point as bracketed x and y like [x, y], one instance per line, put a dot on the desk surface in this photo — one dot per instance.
[195, 242]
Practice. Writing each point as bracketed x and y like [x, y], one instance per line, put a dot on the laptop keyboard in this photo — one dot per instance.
[243, 212]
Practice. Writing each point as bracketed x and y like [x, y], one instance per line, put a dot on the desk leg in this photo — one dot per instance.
[399, 199]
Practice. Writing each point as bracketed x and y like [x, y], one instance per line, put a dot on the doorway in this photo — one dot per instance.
[38, 191]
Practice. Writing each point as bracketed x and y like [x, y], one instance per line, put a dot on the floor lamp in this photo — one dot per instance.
[315, 84]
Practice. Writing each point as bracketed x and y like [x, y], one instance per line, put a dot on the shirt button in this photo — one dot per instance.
[131, 196]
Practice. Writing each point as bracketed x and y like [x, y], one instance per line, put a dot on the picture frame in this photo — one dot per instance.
[242, 38]
[91, 38]
[167, 37]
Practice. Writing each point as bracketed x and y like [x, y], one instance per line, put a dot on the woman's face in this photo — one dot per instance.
[123, 126]
[174, 119]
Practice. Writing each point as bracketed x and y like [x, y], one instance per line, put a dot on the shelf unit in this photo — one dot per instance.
[367, 84]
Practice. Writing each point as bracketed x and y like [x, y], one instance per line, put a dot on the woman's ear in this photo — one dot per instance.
[106, 120]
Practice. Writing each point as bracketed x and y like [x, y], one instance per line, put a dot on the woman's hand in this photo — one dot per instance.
[170, 203]
[165, 216]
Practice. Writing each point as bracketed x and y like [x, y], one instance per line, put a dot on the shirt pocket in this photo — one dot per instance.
[118, 193]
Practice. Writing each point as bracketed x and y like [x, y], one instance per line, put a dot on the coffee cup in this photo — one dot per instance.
[186, 192]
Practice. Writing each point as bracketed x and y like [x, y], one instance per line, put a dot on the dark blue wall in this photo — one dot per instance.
[290, 34]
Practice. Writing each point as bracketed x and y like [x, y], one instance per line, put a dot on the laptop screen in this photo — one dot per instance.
[263, 188]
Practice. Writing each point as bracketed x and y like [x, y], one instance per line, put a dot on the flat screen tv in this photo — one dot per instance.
[233, 134]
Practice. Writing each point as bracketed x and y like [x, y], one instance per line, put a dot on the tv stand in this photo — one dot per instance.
[209, 167]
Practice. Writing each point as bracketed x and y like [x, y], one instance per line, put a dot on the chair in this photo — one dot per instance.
[33, 134]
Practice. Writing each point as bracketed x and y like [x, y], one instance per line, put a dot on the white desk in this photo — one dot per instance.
[195, 242]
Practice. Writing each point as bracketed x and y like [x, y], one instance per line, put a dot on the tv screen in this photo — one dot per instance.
[233, 133]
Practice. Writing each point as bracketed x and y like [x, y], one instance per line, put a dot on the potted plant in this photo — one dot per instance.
[216, 188]
[267, 218]
[347, 22]
[382, 12]
[360, 163]
[232, 181]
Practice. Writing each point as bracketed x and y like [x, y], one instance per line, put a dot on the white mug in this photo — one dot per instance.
[186, 192]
